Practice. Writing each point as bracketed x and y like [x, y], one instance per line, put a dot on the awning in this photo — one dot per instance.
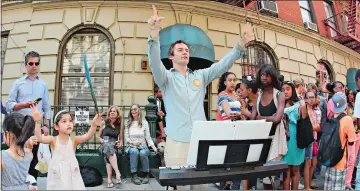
[199, 43]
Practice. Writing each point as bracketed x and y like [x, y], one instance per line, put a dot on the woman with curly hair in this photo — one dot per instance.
[228, 101]
[111, 136]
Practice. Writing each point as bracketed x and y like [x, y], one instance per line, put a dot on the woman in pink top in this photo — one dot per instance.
[333, 88]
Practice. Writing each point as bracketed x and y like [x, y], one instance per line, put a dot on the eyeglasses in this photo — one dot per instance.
[340, 87]
[134, 109]
[32, 63]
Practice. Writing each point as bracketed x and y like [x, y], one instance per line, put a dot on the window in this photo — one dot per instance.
[257, 54]
[74, 87]
[329, 11]
[4, 40]
[306, 12]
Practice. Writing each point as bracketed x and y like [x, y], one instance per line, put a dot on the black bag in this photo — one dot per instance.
[91, 176]
[304, 132]
[330, 148]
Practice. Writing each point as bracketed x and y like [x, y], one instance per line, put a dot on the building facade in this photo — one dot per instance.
[113, 35]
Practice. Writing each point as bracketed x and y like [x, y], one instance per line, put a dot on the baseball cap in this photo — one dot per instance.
[339, 100]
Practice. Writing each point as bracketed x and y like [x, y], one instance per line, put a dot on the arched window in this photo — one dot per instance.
[258, 54]
[73, 88]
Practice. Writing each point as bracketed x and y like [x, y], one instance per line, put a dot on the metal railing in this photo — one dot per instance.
[339, 24]
[148, 112]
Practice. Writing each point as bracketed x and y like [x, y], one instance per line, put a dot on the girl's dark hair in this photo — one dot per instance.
[353, 92]
[270, 70]
[330, 86]
[250, 84]
[294, 98]
[237, 86]
[221, 86]
[21, 126]
[57, 119]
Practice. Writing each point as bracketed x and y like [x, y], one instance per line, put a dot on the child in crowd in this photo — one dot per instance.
[64, 171]
[16, 159]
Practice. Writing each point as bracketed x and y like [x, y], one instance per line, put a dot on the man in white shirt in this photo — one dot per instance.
[357, 115]
[357, 99]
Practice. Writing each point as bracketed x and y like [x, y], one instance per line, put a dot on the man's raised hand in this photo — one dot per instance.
[155, 23]
[247, 35]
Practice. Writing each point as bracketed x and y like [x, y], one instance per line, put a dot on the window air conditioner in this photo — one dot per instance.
[269, 7]
[311, 26]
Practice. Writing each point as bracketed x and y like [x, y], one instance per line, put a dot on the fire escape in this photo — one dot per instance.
[348, 33]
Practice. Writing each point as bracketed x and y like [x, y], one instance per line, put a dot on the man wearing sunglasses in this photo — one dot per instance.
[24, 92]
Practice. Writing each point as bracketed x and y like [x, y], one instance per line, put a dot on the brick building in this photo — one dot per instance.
[297, 37]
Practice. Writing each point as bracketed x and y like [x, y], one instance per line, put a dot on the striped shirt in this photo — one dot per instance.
[234, 104]
[135, 134]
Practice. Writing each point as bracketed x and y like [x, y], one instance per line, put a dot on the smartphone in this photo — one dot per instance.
[38, 99]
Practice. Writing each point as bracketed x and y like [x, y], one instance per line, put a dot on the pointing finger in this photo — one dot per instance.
[160, 18]
[155, 11]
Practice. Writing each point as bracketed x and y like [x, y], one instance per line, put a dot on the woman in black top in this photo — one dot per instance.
[268, 81]
[111, 136]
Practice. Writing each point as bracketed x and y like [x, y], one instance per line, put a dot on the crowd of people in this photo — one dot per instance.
[269, 97]
[265, 96]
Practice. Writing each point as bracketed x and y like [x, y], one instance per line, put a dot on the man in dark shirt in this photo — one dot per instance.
[160, 112]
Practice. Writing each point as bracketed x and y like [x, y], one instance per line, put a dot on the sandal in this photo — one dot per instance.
[118, 181]
[110, 185]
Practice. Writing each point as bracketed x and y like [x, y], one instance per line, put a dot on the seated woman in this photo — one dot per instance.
[111, 136]
[137, 141]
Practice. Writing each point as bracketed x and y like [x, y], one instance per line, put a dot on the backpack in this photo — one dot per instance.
[330, 148]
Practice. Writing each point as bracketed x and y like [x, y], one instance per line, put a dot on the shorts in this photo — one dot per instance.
[309, 152]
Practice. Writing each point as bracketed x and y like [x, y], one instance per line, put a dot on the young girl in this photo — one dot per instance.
[310, 152]
[228, 101]
[64, 171]
[294, 156]
[16, 159]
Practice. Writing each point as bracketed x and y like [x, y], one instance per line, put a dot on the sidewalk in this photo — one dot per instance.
[154, 185]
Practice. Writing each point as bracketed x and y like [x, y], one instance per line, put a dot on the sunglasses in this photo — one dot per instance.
[32, 63]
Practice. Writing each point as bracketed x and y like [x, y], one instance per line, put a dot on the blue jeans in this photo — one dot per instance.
[134, 159]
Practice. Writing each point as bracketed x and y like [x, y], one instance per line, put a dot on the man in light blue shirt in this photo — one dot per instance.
[23, 94]
[183, 89]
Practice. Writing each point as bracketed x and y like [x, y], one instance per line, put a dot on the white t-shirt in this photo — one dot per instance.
[357, 106]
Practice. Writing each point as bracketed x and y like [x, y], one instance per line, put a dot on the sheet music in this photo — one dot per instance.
[227, 130]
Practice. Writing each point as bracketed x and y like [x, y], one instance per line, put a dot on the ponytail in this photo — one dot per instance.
[27, 130]
[330, 87]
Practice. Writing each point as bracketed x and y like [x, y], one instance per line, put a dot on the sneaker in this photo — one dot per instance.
[348, 188]
[301, 186]
[135, 179]
[145, 180]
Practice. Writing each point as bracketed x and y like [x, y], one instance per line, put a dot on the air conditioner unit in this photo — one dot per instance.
[269, 7]
[311, 26]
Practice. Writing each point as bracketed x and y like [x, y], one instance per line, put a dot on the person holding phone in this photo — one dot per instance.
[29, 90]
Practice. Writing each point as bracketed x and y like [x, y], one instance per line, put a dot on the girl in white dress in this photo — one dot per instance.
[64, 171]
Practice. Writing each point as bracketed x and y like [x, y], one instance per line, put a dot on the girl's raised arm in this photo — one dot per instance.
[37, 118]
[83, 138]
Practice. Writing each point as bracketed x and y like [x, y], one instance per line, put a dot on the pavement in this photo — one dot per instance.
[154, 185]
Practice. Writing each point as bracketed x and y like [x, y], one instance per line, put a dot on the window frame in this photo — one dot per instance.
[331, 4]
[266, 48]
[311, 11]
[84, 29]
[4, 34]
